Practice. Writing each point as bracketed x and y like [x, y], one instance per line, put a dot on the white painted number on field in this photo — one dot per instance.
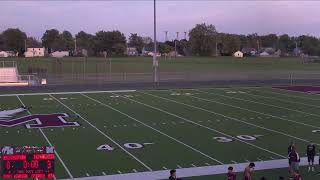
[235, 92]
[242, 137]
[223, 139]
[107, 147]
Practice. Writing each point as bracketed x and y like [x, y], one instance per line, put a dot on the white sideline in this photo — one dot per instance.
[198, 171]
[57, 93]
[46, 138]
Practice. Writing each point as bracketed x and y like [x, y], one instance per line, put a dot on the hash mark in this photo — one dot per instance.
[119, 172]
[104, 173]
[179, 166]
[235, 162]
[193, 165]
[134, 170]
[87, 174]
[207, 164]
[164, 168]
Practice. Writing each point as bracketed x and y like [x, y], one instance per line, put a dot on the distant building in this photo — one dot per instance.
[238, 54]
[132, 51]
[34, 52]
[8, 54]
[59, 54]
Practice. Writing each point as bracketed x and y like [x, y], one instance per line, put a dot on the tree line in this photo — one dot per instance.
[204, 40]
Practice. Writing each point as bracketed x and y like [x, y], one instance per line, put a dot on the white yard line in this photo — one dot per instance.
[199, 171]
[268, 97]
[299, 92]
[265, 104]
[57, 93]
[48, 141]
[270, 115]
[102, 133]
[206, 127]
[160, 132]
[231, 118]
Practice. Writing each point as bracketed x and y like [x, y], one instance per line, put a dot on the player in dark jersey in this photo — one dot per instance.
[311, 152]
[249, 171]
[290, 148]
[231, 175]
[294, 160]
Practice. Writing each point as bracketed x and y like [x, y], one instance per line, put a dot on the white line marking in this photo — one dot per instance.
[271, 157]
[265, 104]
[119, 172]
[164, 168]
[104, 173]
[87, 175]
[234, 162]
[260, 159]
[179, 166]
[297, 122]
[203, 125]
[193, 165]
[268, 97]
[134, 170]
[300, 97]
[207, 164]
[46, 138]
[231, 118]
[93, 126]
[172, 138]
[65, 93]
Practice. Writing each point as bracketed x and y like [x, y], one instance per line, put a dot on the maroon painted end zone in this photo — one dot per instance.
[305, 89]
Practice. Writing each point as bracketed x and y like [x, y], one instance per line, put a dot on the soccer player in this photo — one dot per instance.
[296, 176]
[294, 160]
[291, 146]
[173, 175]
[231, 175]
[248, 171]
[311, 152]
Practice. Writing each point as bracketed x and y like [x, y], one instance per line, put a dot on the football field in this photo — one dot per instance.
[199, 132]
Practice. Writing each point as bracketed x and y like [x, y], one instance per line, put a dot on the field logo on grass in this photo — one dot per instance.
[40, 120]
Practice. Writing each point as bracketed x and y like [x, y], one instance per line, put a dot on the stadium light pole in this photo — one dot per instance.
[155, 61]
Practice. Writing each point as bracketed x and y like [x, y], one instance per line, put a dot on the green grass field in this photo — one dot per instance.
[159, 130]
[154, 131]
[144, 64]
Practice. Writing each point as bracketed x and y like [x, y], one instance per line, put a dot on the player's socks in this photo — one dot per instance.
[312, 169]
[309, 169]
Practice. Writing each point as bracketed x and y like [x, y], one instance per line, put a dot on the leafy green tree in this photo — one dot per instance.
[13, 40]
[66, 41]
[269, 40]
[148, 43]
[33, 43]
[285, 43]
[113, 42]
[1, 42]
[202, 39]
[164, 48]
[230, 43]
[136, 41]
[85, 41]
[50, 40]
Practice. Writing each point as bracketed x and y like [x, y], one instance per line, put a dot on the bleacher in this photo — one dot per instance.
[9, 75]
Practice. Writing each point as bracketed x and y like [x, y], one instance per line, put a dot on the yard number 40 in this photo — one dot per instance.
[241, 137]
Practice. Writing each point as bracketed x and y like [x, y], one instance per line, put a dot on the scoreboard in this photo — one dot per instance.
[27, 162]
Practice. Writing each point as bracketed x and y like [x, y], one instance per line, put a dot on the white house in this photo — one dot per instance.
[34, 52]
[60, 54]
[238, 54]
[3, 54]
[8, 54]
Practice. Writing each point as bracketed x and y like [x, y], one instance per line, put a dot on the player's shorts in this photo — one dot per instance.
[311, 159]
[295, 166]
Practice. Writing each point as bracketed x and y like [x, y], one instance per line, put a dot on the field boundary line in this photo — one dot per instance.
[268, 97]
[292, 91]
[285, 119]
[231, 118]
[57, 93]
[48, 141]
[164, 134]
[93, 126]
[209, 128]
[199, 171]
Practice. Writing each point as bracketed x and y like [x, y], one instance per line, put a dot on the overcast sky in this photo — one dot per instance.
[242, 17]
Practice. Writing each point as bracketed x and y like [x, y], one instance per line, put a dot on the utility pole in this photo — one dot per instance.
[166, 36]
[155, 61]
[258, 43]
[75, 46]
[185, 35]
[175, 45]
[25, 45]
